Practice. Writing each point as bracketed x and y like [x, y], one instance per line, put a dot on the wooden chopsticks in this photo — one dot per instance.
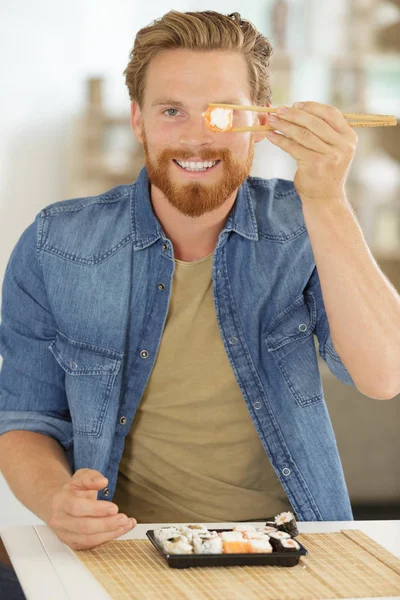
[355, 119]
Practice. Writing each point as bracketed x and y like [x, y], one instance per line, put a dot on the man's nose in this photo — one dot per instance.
[195, 132]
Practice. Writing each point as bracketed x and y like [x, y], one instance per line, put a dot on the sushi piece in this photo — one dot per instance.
[163, 533]
[244, 528]
[233, 542]
[255, 535]
[207, 544]
[286, 521]
[248, 531]
[276, 540]
[268, 529]
[260, 546]
[196, 527]
[290, 545]
[178, 545]
[189, 531]
[279, 535]
[270, 523]
[218, 119]
[231, 536]
[236, 547]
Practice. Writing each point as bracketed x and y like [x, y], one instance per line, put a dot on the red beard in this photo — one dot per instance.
[195, 198]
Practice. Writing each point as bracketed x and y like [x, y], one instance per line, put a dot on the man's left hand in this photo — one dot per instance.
[320, 138]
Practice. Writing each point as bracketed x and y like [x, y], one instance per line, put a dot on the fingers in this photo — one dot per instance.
[83, 541]
[79, 519]
[89, 526]
[78, 500]
[76, 506]
[88, 479]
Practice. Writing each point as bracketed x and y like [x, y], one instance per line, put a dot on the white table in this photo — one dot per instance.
[48, 570]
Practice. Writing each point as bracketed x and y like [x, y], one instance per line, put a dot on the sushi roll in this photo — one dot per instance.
[260, 546]
[286, 521]
[189, 531]
[276, 540]
[290, 545]
[196, 527]
[218, 119]
[268, 529]
[178, 545]
[207, 544]
[270, 523]
[163, 533]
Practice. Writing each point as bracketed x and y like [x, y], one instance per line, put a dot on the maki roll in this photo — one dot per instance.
[178, 545]
[270, 523]
[290, 545]
[285, 521]
[268, 529]
[189, 531]
[277, 538]
[163, 533]
[207, 544]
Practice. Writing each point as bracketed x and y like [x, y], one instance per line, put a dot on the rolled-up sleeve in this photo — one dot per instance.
[32, 390]
[322, 331]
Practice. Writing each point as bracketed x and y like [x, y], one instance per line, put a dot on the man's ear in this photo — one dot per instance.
[136, 121]
[261, 119]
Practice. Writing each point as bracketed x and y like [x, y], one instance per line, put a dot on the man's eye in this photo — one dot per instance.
[169, 109]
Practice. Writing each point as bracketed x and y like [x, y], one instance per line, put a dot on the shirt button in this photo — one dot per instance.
[303, 327]
[233, 340]
[165, 247]
[286, 471]
[161, 286]
[74, 366]
[257, 405]
[123, 420]
[218, 273]
[144, 354]
[106, 491]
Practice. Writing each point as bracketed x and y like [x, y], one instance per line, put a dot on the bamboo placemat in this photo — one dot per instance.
[339, 565]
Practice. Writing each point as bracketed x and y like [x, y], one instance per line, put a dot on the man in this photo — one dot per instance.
[158, 339]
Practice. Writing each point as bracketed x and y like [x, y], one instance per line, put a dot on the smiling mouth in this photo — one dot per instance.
[196, 167]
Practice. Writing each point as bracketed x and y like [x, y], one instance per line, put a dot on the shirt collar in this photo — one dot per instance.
[147, 228]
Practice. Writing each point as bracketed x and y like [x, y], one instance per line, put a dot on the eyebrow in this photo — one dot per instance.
[164, 101]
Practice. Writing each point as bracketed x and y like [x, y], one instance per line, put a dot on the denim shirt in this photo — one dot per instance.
[85, 300]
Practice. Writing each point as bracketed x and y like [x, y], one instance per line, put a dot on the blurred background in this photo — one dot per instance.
[64, 118]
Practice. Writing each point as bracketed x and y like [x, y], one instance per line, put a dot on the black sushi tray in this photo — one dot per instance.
[182, 561]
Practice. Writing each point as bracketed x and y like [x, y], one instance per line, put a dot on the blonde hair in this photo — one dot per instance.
[207, 30]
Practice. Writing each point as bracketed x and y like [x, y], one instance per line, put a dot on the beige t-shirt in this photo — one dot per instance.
[193, 453]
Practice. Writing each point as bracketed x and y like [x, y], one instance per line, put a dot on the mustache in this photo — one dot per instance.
[204, 155]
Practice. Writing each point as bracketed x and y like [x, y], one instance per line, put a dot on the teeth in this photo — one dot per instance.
[196, 166]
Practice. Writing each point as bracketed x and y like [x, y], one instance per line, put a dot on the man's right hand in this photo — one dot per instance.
[79, 519]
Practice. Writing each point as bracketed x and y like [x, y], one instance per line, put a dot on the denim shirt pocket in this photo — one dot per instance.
[90, 373]
[289, 338]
